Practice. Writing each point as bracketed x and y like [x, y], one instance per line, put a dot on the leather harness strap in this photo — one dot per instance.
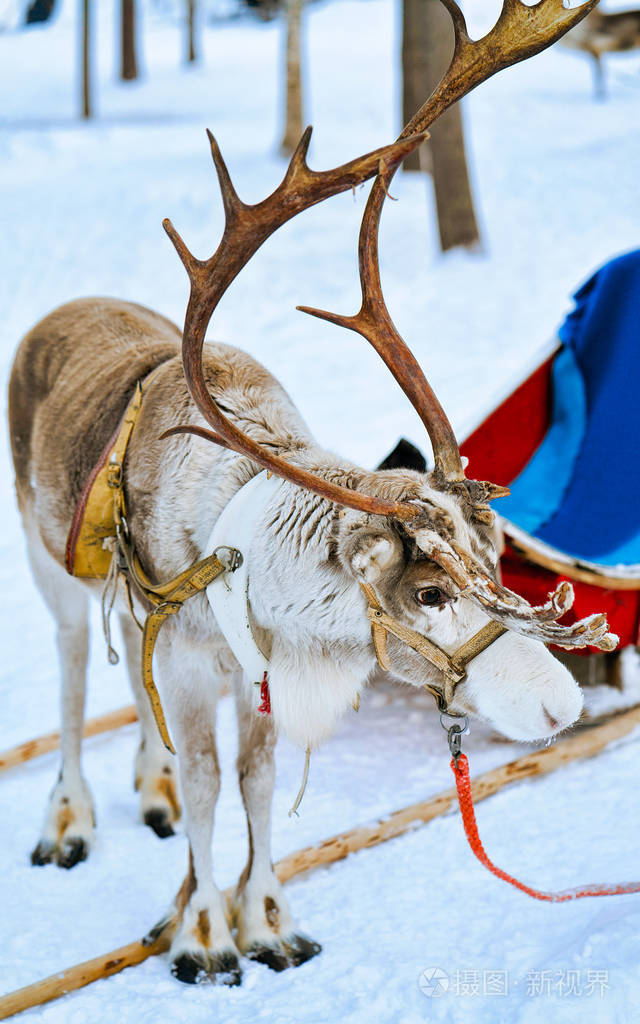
[453, 666]
[99, 546]
[168, 599]
[477, 644]
[87, 555]
[165, 598]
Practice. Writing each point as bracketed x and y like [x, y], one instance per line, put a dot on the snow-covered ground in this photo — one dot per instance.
[556, 183]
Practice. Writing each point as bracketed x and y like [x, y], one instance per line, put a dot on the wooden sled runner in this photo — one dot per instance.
[336, 848]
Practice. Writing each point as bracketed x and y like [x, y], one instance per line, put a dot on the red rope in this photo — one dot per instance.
[460, 769]
[264, 707]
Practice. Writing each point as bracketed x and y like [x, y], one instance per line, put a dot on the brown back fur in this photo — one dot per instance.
[72, 378]
[72, 402]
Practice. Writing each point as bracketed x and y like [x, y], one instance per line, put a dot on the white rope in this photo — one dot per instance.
[109, 592]
[303, 784]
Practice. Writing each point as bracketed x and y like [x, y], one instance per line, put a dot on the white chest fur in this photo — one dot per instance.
[310, 688]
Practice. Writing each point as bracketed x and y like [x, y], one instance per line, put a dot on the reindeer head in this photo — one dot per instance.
[423, 547]
[440, 617]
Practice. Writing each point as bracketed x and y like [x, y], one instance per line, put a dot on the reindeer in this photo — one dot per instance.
[604, 32]
[346, 567]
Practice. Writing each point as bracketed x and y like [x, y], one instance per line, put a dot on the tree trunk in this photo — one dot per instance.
[414, 76]
[431, 48]
[191, 32]
[293, 57]
[86, 55]
[129, 64]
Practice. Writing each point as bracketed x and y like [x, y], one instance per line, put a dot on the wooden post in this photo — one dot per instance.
[191, 31]
[586, 743]
[414, 77]
[454, 202]
[427, 47]
[86, 59]
[128, 59]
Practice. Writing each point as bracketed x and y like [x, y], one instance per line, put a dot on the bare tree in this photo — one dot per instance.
[129, 63]
[191, 31]
[86, 58]
[293, 78]
[427, 46]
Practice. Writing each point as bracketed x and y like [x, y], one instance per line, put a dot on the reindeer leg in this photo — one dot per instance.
[265, 927]
[69, 821]
[202, 947]
[155, 769]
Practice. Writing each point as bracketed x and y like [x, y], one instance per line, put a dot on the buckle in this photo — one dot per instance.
[114, 474]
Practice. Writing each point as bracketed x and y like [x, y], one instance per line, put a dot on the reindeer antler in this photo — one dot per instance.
[510, 608]
[246, 228]
[520, 32]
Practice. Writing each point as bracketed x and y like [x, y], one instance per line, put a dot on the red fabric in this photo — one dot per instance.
[498, 450]
[460, 768]
[264, 707]
[501, 446]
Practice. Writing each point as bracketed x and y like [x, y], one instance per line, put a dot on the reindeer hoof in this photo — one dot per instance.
[43, 853]
[291, 952]
[189, 969]
[66, 854]
[273, 957]
[299, 949]
[194, 968]
[159, 821]
[71, 852]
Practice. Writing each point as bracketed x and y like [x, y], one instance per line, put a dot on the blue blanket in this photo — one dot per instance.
[580, 492]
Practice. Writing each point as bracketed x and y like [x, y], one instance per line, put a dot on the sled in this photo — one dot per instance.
[566, 443]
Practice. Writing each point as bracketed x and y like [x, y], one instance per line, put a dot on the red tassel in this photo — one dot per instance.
[264, 707]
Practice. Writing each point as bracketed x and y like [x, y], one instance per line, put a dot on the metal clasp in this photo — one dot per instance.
[455, 732]
[231, 560]
[114, 473]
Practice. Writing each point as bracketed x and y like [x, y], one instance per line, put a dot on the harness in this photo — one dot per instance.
[100, 546]
[453, 666]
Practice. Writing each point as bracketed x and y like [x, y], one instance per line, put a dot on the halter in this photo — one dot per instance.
[452, 666]
[235, 529]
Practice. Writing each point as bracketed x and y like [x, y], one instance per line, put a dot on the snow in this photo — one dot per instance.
[556, 184]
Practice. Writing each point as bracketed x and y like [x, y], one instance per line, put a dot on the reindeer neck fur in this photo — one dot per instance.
[310, 613]
[307, 606]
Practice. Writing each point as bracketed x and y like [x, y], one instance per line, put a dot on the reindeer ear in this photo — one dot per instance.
[371, 553]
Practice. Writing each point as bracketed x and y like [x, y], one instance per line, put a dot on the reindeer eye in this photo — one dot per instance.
[430, 596]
